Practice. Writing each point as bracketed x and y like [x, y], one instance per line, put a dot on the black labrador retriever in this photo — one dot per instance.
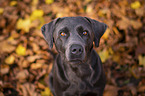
[77, 70]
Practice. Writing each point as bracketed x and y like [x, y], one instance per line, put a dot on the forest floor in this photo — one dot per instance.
[25, 59]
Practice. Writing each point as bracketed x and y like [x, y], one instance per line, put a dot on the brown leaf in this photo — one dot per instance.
[141, 88]
[6, 47]
[28, 89]
[22, 75]
[136, 24]
[123, 24]
[4, 69]
[36, 65]
[110, 90]
[33, 58]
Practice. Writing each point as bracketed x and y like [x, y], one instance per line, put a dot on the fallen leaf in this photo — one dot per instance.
[135, 5]
[36, 14]
[20, 50]
[6, 47]
[136, 24]
[35, 47]
[41, 86]
[106, 34]
[25, 64]
[124, 23]
[49, 1]
[24, 24]
[140, 11]
[4, 69]
[10, 60]
[102, 12]
[13, 3]
[141, 60]
[46, 92]
[22, 74]
[104, 55]
[33, 58]
[110, 90]
[89, 9]
[1, 10]
[1, 94]
[141, 88]
[29, 89]
[36, 65]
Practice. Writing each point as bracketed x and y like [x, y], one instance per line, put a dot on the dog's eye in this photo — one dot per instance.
[63, 34]
[85, 33]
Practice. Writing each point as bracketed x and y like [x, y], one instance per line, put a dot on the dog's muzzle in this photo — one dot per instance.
[75, 53]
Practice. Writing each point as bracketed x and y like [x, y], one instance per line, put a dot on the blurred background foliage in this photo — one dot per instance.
[25, 59]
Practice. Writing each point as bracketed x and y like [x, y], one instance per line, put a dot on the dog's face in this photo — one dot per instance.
[73, 36]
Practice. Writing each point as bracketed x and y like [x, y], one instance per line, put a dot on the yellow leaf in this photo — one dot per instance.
[49, 1]
[10, 38]
[135, 5]
[59, 14]
[20, 50]
[13, 3]
[89, 9]
[105, 36]
[141, 60]
[36, 14]
[1, 10]
[116, 58]
[102, 12]
[10, 59]
[46, 92]
[104, 55]
[34, 2]
[24, 24]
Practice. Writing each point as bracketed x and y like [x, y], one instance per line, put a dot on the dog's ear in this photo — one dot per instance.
[98, 28]
[47, 31]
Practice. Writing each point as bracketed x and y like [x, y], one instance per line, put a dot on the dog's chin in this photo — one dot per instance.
[75, 61]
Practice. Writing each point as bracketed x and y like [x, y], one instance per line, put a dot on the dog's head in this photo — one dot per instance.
[73, 36]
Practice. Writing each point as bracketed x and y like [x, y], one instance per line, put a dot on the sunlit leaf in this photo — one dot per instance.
[13, 3]
[59, 14]
[36, 14]
[10, 38]
[34, 2]
[36, 65]
[49, 1]
[104, 55]
[106, 34]
[102, 12]
[46, 92]
[1, 10]
[135, 5]
[10, 59]
[141, 60]
[24, 24]
[20, 50]
[89, 9]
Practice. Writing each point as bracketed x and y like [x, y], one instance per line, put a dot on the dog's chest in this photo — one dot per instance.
[79, 75]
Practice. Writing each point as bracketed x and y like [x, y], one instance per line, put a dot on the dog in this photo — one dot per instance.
[77, 69]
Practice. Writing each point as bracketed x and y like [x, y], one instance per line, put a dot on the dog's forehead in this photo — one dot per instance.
[71, 22]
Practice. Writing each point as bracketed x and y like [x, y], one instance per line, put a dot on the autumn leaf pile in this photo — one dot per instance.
[25, 59]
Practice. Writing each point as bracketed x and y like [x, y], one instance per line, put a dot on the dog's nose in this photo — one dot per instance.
[76, 49]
